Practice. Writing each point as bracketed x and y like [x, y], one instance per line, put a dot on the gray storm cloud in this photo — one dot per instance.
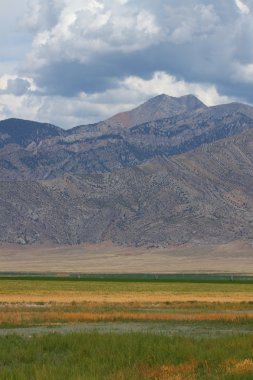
[18, 86]
[93, 45]
[78, 61]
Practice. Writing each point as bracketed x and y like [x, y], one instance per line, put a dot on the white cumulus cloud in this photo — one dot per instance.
[242, 6]
[89, 59]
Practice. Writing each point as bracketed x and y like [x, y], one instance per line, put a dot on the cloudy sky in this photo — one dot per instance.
[73, 62]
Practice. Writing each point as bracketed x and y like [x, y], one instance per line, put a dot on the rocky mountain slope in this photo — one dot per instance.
[24, 132]
[160, 107]
[202, 196]
[184, 174]
[95, 149]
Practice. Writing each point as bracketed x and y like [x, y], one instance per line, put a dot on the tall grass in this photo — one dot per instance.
[29, 318]
[129, 356]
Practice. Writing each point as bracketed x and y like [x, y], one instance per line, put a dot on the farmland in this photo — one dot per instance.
[49, 301]
[116, 328]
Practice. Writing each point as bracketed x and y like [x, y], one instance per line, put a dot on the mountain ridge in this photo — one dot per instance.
[201, 197]
[157, 108]
[183, 179]
[96, 149]
[23, 132]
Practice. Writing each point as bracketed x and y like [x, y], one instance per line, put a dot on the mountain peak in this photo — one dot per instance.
[191, 102]
[177, 99]
[160, 97]
[159, 107]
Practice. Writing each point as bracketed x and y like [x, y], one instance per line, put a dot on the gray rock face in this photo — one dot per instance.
[160, 107]
[184, 174]
[106, 147]
[204, 196]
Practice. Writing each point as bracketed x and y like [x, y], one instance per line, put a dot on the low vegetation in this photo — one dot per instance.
[40, 302]
[129, 356]
[213, 322]
[12, 315]
[18, 290]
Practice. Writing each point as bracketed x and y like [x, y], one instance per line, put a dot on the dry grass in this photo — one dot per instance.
[185, 371]
[32, 291]
[77, 301]
[235, 367]
[155, 297]
[19, 317]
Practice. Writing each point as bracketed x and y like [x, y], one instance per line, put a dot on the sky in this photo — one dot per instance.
[72, 62]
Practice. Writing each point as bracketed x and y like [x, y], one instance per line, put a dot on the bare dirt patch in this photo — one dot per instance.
[235, 257]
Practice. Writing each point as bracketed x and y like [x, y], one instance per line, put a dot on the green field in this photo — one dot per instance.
[131, 277]
[119, 329]
[129, 356]
[28, 285]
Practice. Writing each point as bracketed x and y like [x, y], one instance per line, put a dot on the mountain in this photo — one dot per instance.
[24, 132]
[186, 177]
[83, 150]
[160, 107]
[203, 196]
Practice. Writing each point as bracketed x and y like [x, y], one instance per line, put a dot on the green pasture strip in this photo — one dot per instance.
[135, 277]
[135, 356]
[42, 286]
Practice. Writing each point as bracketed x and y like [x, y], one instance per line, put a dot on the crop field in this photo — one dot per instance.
[118, 329]
[40, 301]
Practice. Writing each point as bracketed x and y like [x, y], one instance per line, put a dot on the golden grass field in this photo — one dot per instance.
[60, 301]
[235, 257]
[216, 320]
[64, 291]
[188, 370]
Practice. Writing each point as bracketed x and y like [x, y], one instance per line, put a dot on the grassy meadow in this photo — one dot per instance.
[215, 320]
[129, 356]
